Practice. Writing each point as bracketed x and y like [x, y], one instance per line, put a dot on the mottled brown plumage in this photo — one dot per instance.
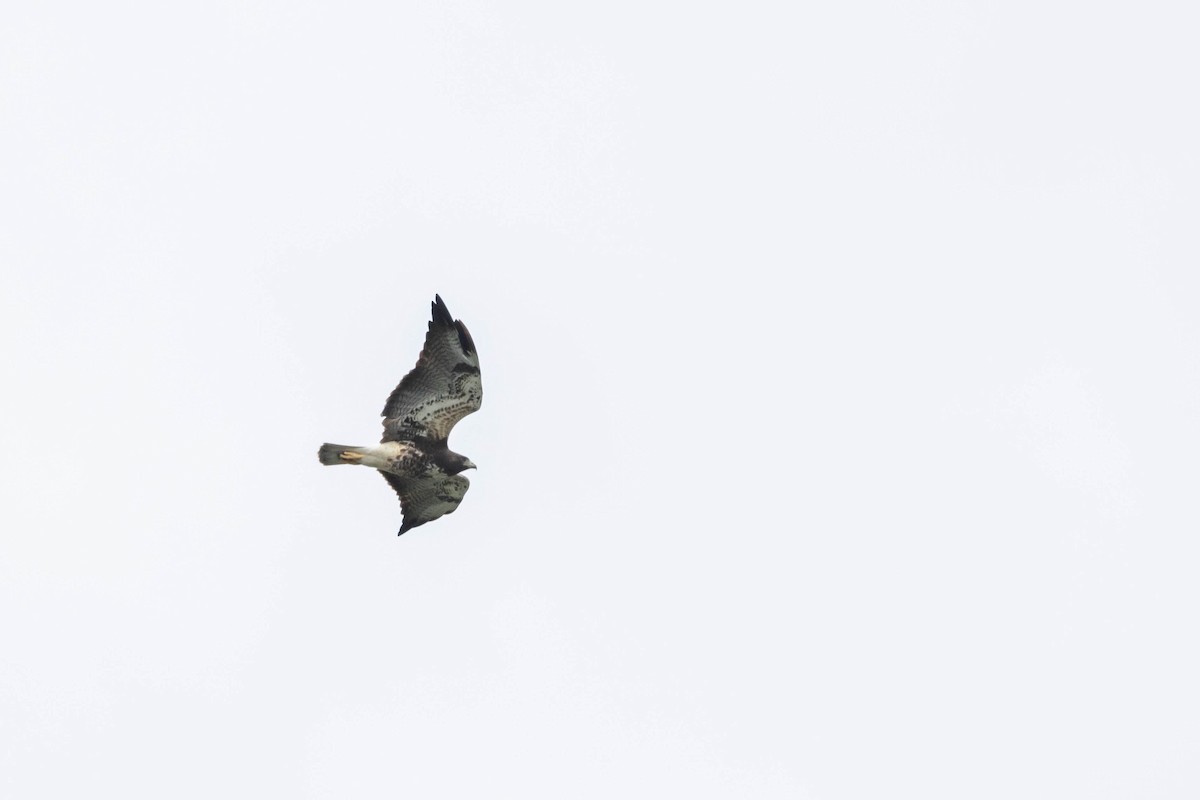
[413, 455]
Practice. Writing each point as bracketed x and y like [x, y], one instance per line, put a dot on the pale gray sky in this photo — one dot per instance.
[842, 400]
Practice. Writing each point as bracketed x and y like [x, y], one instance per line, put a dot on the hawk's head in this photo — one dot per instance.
[452, 463]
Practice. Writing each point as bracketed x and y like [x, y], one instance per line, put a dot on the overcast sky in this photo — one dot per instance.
[841, 399]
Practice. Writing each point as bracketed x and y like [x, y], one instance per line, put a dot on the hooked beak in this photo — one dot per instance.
[470, 465]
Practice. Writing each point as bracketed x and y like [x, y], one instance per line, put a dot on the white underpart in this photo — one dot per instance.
[380, 457]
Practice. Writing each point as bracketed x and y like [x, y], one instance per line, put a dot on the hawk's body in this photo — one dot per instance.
[413, 455]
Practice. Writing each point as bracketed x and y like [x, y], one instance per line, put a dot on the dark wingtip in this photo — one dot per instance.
[464, 339]
[441, 314]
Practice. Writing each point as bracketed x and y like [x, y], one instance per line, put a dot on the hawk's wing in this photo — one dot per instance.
[441, 389]
[425, 499]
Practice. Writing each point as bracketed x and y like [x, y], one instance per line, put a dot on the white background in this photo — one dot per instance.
[842, 399]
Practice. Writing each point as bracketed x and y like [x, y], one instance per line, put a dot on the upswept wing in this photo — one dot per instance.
[441, 389]
[425, 499]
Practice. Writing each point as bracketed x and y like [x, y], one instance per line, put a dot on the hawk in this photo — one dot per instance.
[413, 455]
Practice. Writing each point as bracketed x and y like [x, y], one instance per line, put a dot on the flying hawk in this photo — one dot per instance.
[413, 456]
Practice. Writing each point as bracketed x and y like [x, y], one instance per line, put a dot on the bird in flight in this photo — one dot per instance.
[413, 455]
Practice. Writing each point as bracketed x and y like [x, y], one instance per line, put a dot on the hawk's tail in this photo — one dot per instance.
[341, 454]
